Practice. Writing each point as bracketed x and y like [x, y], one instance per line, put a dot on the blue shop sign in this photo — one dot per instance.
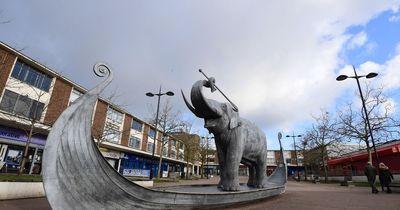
[20, 135]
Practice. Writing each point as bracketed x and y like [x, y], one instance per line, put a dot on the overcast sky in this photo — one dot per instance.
[276, 60]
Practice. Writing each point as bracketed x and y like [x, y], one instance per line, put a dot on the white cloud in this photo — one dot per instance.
[391, 73]
[358, 40]
[394, 18]
[275, 60]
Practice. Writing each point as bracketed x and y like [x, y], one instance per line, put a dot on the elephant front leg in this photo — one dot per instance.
[221, 159]
[231, 180]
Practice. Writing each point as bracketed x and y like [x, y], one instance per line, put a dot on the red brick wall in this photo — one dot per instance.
[126, 130]
[58, 101]
[145, 137]
[6, 63]
[99, 119]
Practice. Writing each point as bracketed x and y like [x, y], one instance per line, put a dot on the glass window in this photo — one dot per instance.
[165, 151]
[36, 110]
[111, 133]
[173, 143]
[31, 76]
[17, 69]
[134, 142]
[152, 133]
[114, 116]
[74, 95]
[173, 154]
[8, 102]
[22, 107]
[45, 85]
[150, 147]
[136, 125]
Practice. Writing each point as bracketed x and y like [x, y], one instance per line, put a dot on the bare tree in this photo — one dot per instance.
[202, 154]
[321, 135]
[191, 143]
[353, 122]
[303, 146]
[169, 122]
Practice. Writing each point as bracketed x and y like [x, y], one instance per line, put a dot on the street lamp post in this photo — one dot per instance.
[159, 94]
[368, 76]
[295, 153]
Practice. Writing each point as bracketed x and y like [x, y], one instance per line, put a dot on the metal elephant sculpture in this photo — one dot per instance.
[237, 140]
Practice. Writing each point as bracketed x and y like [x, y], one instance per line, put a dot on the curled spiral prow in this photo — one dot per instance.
[101, 69]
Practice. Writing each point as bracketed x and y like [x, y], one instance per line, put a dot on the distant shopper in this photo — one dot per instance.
[385, 176]
[370, 172]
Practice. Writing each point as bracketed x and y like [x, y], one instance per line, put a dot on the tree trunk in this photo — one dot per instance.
[305, 172]
[28, 141]
[323, 165]
[159, 162]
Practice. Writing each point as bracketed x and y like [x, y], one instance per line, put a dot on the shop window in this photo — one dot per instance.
[137, 126]
[31, 76]
[134, 142]
[21, 105]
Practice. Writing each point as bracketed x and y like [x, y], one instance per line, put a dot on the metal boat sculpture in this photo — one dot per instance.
[76, 175]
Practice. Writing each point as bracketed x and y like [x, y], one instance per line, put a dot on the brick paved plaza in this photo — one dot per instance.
[299, 196]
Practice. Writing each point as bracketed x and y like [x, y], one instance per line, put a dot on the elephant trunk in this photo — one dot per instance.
[202, 107]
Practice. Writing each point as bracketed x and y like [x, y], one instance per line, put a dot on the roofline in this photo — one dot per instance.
[60, 76]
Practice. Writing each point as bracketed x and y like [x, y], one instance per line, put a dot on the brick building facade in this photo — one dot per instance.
[29, 90]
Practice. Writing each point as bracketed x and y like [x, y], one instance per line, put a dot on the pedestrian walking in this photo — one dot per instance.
[370, 172]
[385, 177]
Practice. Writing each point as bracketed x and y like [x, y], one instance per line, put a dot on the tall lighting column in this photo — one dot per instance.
[368, 76]
[159, 94]
[295, 153]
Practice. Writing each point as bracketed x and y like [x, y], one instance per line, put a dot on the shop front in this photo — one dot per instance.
[139, 166]
[12, 146]
[113, 157]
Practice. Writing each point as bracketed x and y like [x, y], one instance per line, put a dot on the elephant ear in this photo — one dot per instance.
[233, 117]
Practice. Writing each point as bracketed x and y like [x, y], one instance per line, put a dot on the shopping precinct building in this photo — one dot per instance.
[33, 95]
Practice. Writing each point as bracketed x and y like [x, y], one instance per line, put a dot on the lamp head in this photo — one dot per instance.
[298, 135]
[287, 136]
[149, 94]
[169, 93]
[341, 77]
[371, 75]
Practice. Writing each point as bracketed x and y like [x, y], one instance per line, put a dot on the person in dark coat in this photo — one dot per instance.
[370, 172]
[385, 177]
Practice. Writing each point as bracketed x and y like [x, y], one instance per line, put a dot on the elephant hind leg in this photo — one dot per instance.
[252, 176]
[261, 177]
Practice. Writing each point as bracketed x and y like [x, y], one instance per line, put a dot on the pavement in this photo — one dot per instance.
[298, 196]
